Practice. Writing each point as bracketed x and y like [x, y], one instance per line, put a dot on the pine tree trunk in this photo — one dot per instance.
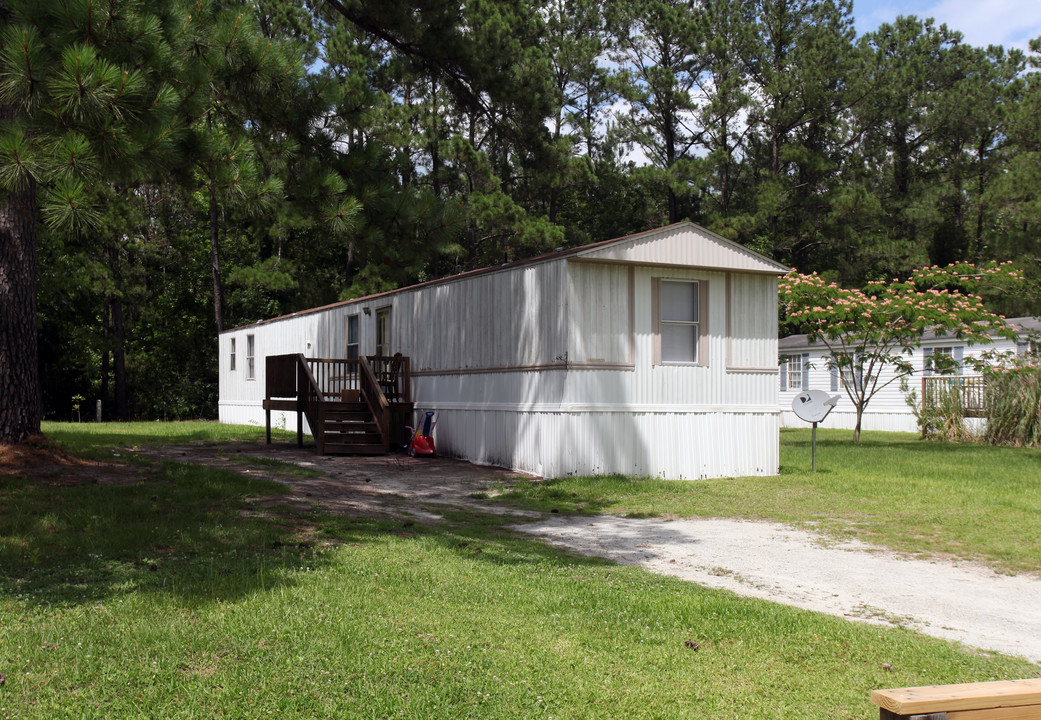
[218, 288]
[19, 365]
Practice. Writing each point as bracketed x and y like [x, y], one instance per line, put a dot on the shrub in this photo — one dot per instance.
[1014, 404]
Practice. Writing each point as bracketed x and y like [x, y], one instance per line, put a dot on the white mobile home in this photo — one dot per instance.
[653, 354]
[804, 366]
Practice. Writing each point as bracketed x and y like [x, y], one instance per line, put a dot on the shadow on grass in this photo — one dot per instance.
[200, 533]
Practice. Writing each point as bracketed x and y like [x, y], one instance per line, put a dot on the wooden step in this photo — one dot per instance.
[338, 416]
[352, 438]
[354, 449]
[336, 406]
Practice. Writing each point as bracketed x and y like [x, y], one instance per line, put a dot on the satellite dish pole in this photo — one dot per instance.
[813, 406]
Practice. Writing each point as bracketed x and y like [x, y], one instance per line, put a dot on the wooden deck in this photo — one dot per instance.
[354, 407]
[965, 392]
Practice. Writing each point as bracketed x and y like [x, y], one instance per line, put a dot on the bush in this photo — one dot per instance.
[1014, 404]
[944, 417]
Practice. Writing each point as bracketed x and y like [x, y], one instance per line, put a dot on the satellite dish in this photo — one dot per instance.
[814, 405]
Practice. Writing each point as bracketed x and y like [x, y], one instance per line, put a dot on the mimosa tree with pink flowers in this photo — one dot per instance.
[881, 325]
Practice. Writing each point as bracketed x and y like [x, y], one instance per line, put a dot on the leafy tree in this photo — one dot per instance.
[878, 327]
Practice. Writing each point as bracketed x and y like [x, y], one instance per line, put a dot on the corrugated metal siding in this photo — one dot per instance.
[670, 421]
[687, 246]
[680, 446]
[509, 319]
[753, 333]
[598, 304]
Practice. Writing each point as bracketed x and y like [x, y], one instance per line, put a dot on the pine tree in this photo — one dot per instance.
[86, 93]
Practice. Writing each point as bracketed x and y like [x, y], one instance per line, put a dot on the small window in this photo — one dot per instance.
[794, 374]
[846, 372]
[250, 359]
[232, 364]
[943, 360]
[383, 332]
[679, 326]
[352, 337]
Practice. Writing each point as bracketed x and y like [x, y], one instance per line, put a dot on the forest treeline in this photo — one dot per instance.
[200, 165]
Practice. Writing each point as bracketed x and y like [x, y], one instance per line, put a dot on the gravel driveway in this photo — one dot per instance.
[964, 602]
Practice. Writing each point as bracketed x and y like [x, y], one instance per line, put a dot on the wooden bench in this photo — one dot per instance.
[999, 700]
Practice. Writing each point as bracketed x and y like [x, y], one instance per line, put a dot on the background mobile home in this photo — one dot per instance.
[804, 365]
[653, 354]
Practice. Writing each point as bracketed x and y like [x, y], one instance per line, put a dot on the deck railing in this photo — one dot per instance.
[295, 382]
[963, 392]
[334, 376]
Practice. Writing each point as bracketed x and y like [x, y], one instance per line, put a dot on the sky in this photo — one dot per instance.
[1011, 23]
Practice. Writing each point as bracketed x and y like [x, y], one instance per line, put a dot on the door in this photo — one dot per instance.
[383, 332]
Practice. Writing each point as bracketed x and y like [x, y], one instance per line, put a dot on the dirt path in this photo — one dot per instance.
[961, 602]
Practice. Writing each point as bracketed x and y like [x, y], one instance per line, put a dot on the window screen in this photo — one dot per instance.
[679, 322]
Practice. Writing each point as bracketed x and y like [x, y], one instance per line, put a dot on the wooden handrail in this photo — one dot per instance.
[312, 400]
[377, 401]
[313, 382]
[998, 700]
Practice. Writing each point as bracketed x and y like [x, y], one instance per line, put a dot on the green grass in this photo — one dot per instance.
[103, 440]
[974, 502]
[182, 592]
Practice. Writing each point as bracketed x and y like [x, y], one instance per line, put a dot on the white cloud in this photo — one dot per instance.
[1011, 23]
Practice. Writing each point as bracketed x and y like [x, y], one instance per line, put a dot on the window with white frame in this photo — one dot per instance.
[846, 371]
[679, 325]
[231, 365]
[250, 358]
[793, 372]
[352, 337]
[943, 360]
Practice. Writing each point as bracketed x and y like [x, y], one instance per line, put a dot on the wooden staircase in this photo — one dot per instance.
[349, 404]
[350, 429]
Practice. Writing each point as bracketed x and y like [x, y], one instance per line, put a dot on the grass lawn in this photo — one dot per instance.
[970, 501]
[183, 591]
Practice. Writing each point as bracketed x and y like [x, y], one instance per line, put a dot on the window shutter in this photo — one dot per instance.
[834, 378]
[783, 372]
[927, 366]
[1022, 347]
[959, 353]
[805, 371]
